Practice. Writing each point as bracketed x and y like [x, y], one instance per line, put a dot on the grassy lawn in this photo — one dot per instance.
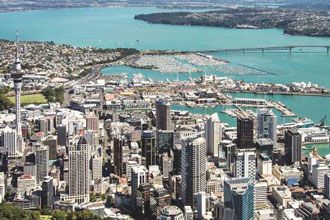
[30, 99]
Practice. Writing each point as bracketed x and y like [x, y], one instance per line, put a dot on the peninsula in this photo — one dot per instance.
[58, 60]
[294, 22]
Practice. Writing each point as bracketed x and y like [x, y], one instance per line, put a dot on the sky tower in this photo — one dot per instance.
[17, 77]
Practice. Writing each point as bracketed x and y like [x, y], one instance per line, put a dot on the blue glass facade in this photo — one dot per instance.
[239, 197]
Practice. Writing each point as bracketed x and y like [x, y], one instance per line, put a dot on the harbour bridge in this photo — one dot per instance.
[273, 49]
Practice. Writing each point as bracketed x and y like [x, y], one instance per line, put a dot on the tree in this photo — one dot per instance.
[58, 215]
[54, 95]
[5, 103]
[103, 197]
[10, 212]
[59, 94]
[86, 215]
[71, 216]
[92, 198]
[49, 94]
[108, 202]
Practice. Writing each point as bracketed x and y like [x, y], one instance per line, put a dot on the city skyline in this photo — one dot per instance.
[159, 115]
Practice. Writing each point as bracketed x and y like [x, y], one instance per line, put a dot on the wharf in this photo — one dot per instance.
[286, 112]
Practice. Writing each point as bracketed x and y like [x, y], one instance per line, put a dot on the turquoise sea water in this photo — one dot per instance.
[322, 149]
[115, 27]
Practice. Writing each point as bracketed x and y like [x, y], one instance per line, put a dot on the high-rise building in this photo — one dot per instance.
[160, 198]
[42, 158]
[244, 132]
[142, 205]
[264, 164]
[171, 213]
[164, 141]
[139, 176]
[292, 146]
[265, 146]
[47, 193]
[118, 144]
[267, 123]
[79, 156]
[163, 115]
[201, 204]
[51, 142]
[327, 185]
[149, 150]
[228, 148]
[166, 165]
[96, 162]
[318, 171]
[9, 141]
[43, 125]
[213, 134]
[245, 163]
[261, 200]
[3, 159]
[92, 122]
[177, 153]
[188, 213]
[92, 138]
[2, 187]
[193, 169]
[239, 198]
[61, 135]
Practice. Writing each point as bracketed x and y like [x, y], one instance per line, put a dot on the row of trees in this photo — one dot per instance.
[10, 212]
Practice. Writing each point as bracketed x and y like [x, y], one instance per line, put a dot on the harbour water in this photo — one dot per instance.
[322, 149]
[115, 27]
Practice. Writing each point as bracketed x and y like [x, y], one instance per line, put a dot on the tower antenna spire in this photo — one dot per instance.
[18, 66]
[17, 45]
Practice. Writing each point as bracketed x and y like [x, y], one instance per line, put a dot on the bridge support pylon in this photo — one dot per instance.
[328, 49]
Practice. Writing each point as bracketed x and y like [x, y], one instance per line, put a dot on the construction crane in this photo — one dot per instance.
[322, 122]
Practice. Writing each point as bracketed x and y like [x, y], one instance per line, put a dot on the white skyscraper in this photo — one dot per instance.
[213, 134]
[2, 186]
[245, 164]
[79, 155]
[267, 123]
[42, 158]
[264, 164]
[96, 166]
[193, 169]
[9, 141]
[188, 213]
[139, 176]
[318, 172]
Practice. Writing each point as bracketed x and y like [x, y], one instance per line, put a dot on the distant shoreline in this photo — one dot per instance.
[293, 22]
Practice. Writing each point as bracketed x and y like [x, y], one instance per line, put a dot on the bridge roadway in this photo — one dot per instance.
[264, 49]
